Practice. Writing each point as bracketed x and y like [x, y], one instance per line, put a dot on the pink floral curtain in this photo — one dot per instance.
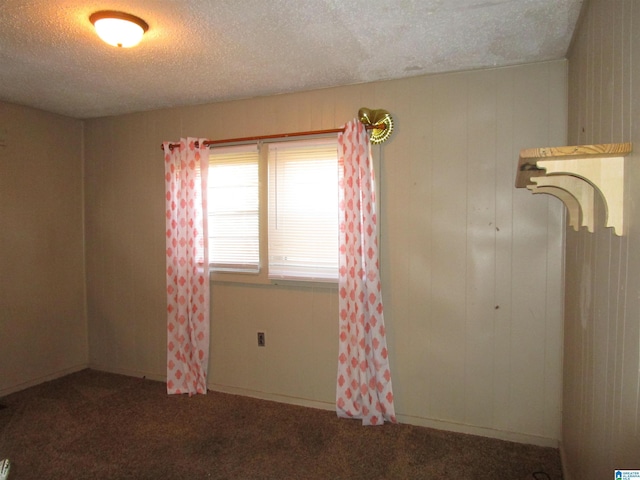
[364, 388]
[186, 169]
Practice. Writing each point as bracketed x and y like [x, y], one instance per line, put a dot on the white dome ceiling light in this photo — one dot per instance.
[118, 28]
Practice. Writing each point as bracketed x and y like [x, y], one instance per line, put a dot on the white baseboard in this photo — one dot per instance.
[302, 402]
[8, 390]
[517, 437]
[305, 402]
[129, 372]
[407, 419]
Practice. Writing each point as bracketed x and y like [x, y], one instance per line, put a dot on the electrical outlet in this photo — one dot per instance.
[261, 339]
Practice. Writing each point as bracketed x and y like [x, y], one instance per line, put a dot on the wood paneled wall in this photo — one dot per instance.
[471, 267]
[601, 420]
[43, 327]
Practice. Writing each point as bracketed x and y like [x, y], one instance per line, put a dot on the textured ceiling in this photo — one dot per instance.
[202, 51]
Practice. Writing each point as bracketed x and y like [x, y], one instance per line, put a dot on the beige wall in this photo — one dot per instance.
[471, 267]
[601, 420]
[43, 329]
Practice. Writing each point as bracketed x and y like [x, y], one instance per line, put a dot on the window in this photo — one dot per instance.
[233, 207]
[303, 210]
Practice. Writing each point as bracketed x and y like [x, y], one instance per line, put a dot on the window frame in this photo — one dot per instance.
[290, 271]
[234, 268]
[262, 277]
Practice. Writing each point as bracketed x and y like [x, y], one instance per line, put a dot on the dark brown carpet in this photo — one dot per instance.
[95, 425]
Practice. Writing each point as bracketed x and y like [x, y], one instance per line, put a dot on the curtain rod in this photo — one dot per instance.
[380, 126]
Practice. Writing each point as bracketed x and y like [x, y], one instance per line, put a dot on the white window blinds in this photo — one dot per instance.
[233, 207]
[303, 210]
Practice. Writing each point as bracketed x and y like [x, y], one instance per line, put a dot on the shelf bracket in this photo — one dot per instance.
[574, 193]
[577, 172]
[605, 173]
[573, 207]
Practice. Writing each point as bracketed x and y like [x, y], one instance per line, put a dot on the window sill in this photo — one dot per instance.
[300, 282]
[261, 278]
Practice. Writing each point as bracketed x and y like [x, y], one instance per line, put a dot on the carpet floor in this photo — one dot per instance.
[96, 425]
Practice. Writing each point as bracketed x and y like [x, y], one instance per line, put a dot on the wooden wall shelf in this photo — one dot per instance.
[573, 174]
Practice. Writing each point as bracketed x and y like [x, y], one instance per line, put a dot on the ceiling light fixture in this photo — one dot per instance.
[118, 28]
